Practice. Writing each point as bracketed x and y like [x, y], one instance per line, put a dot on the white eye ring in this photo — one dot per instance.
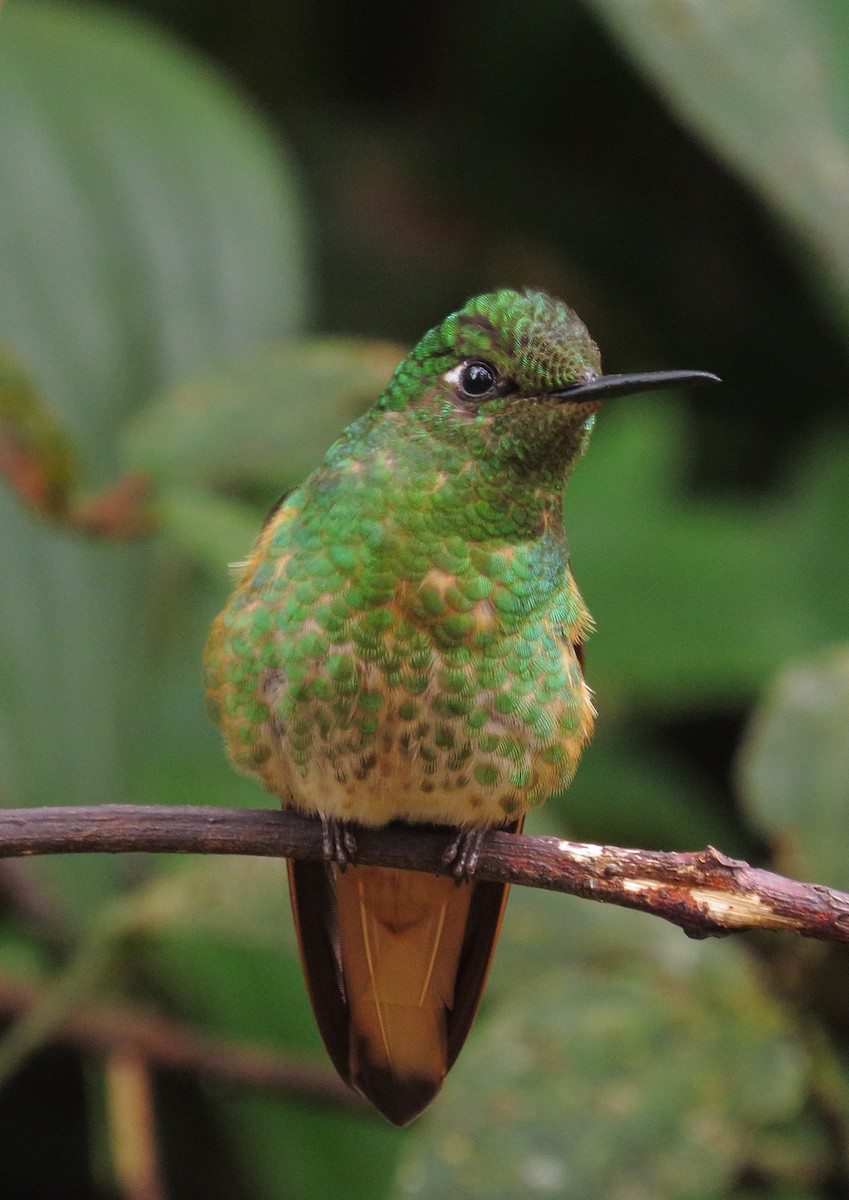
[475, 378]
[452, 377]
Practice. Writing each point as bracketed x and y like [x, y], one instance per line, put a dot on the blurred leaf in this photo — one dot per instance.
[597, 1083]
[35, 454]
[208, 528]
[816, 537]
[687, 595]
[218, 937]
[83, 974]
[291, 1151]
[615, 1057]
[148, 225]
[765, 83]
[757, 1193]
[629, 794]
[297, 1153]
[267, 419]
[544, 930]
[148, 221]
[21, 955]
[793, 768]
[238, 899]
[697, 601]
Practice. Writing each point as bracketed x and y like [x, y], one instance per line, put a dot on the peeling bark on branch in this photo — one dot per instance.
[705, 893]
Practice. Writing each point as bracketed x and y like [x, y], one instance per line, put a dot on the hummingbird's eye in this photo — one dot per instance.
[477, 379]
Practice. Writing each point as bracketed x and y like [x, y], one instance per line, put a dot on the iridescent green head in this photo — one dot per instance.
[534, 343]
[512, 378]
[489, 374]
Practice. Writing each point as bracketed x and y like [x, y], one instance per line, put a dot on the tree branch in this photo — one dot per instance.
[704, 893]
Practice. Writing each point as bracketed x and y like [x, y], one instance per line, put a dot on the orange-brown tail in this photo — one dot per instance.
[395, 963]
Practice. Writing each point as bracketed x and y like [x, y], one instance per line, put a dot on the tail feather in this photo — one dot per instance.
[402, 934]
[395, 963]
[314, 908]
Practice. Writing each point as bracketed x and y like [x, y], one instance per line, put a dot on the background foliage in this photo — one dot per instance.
[200, 269]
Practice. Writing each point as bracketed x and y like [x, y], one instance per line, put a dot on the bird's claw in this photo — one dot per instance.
[462, 854]
[338, 844]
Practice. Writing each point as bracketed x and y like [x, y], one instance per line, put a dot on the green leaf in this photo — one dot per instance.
[793, 768]
[265, 419]
[628, 794]
[239, 899]
[149, 224]
[817, 538]
[597, 1081]
[689, 596]
[218, 937]
[208, 528]
[765, 83]
[297, 1153]
[290, 1150]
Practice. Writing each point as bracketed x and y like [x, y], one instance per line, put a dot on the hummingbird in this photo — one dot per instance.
[405, 644]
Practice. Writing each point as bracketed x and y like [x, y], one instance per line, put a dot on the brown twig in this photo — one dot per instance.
[25, 474]
[162, 1044]
[132, 1125]
[705, 893]
[121, 513]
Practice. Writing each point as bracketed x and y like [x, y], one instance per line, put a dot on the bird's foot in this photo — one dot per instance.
[338, 844]
[462, 854]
